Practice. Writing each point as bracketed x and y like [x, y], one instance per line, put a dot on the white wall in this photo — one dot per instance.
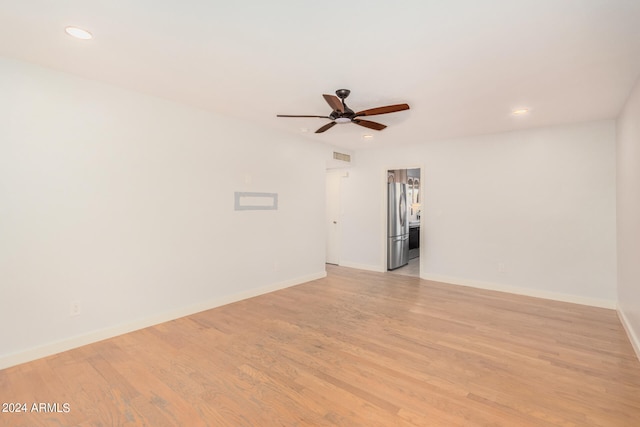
[541, 202]
[628, 211]
[124, 202]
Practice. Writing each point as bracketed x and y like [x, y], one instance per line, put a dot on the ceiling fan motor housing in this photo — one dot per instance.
[347, 115]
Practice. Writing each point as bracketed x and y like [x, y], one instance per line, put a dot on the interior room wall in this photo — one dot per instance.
[628, 212]
[125, 203]
[531, 211]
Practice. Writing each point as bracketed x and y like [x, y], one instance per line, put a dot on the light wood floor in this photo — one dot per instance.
[354, 349]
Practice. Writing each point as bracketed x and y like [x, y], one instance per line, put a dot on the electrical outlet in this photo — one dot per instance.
[74, 308]
[501, 267]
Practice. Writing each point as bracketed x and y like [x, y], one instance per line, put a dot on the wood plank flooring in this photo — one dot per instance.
[355, 349]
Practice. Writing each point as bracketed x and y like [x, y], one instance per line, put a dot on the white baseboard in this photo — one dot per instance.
[576, 299]
[49, 349]
[367, 267]
[631, 333]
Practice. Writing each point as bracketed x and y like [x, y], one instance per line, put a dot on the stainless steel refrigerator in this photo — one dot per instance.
[397, 226]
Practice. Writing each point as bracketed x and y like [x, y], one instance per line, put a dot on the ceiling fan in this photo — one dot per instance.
[343, 114]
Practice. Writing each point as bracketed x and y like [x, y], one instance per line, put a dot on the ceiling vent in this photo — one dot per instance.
[342, 157]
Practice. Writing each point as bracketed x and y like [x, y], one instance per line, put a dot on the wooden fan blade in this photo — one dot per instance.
[334, 102]
[383, 110]
[289, 115]
[369, 124]
[326, 127]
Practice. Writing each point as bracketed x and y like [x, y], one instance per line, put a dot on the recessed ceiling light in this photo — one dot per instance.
[520, 111]
[78, 33]
[367, 136]
[304, 130]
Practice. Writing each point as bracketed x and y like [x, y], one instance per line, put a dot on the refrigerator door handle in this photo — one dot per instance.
[402, 209]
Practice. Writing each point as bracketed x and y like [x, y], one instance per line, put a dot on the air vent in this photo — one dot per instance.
[341, 156]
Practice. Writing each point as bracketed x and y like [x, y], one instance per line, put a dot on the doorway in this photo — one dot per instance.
[333, 224]
[404, 211]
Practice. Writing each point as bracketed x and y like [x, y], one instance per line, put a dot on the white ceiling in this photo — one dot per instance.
[462, 65]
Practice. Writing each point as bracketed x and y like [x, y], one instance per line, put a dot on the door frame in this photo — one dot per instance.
[383, 228]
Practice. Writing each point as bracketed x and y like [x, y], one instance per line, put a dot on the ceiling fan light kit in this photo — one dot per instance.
[342, 114]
